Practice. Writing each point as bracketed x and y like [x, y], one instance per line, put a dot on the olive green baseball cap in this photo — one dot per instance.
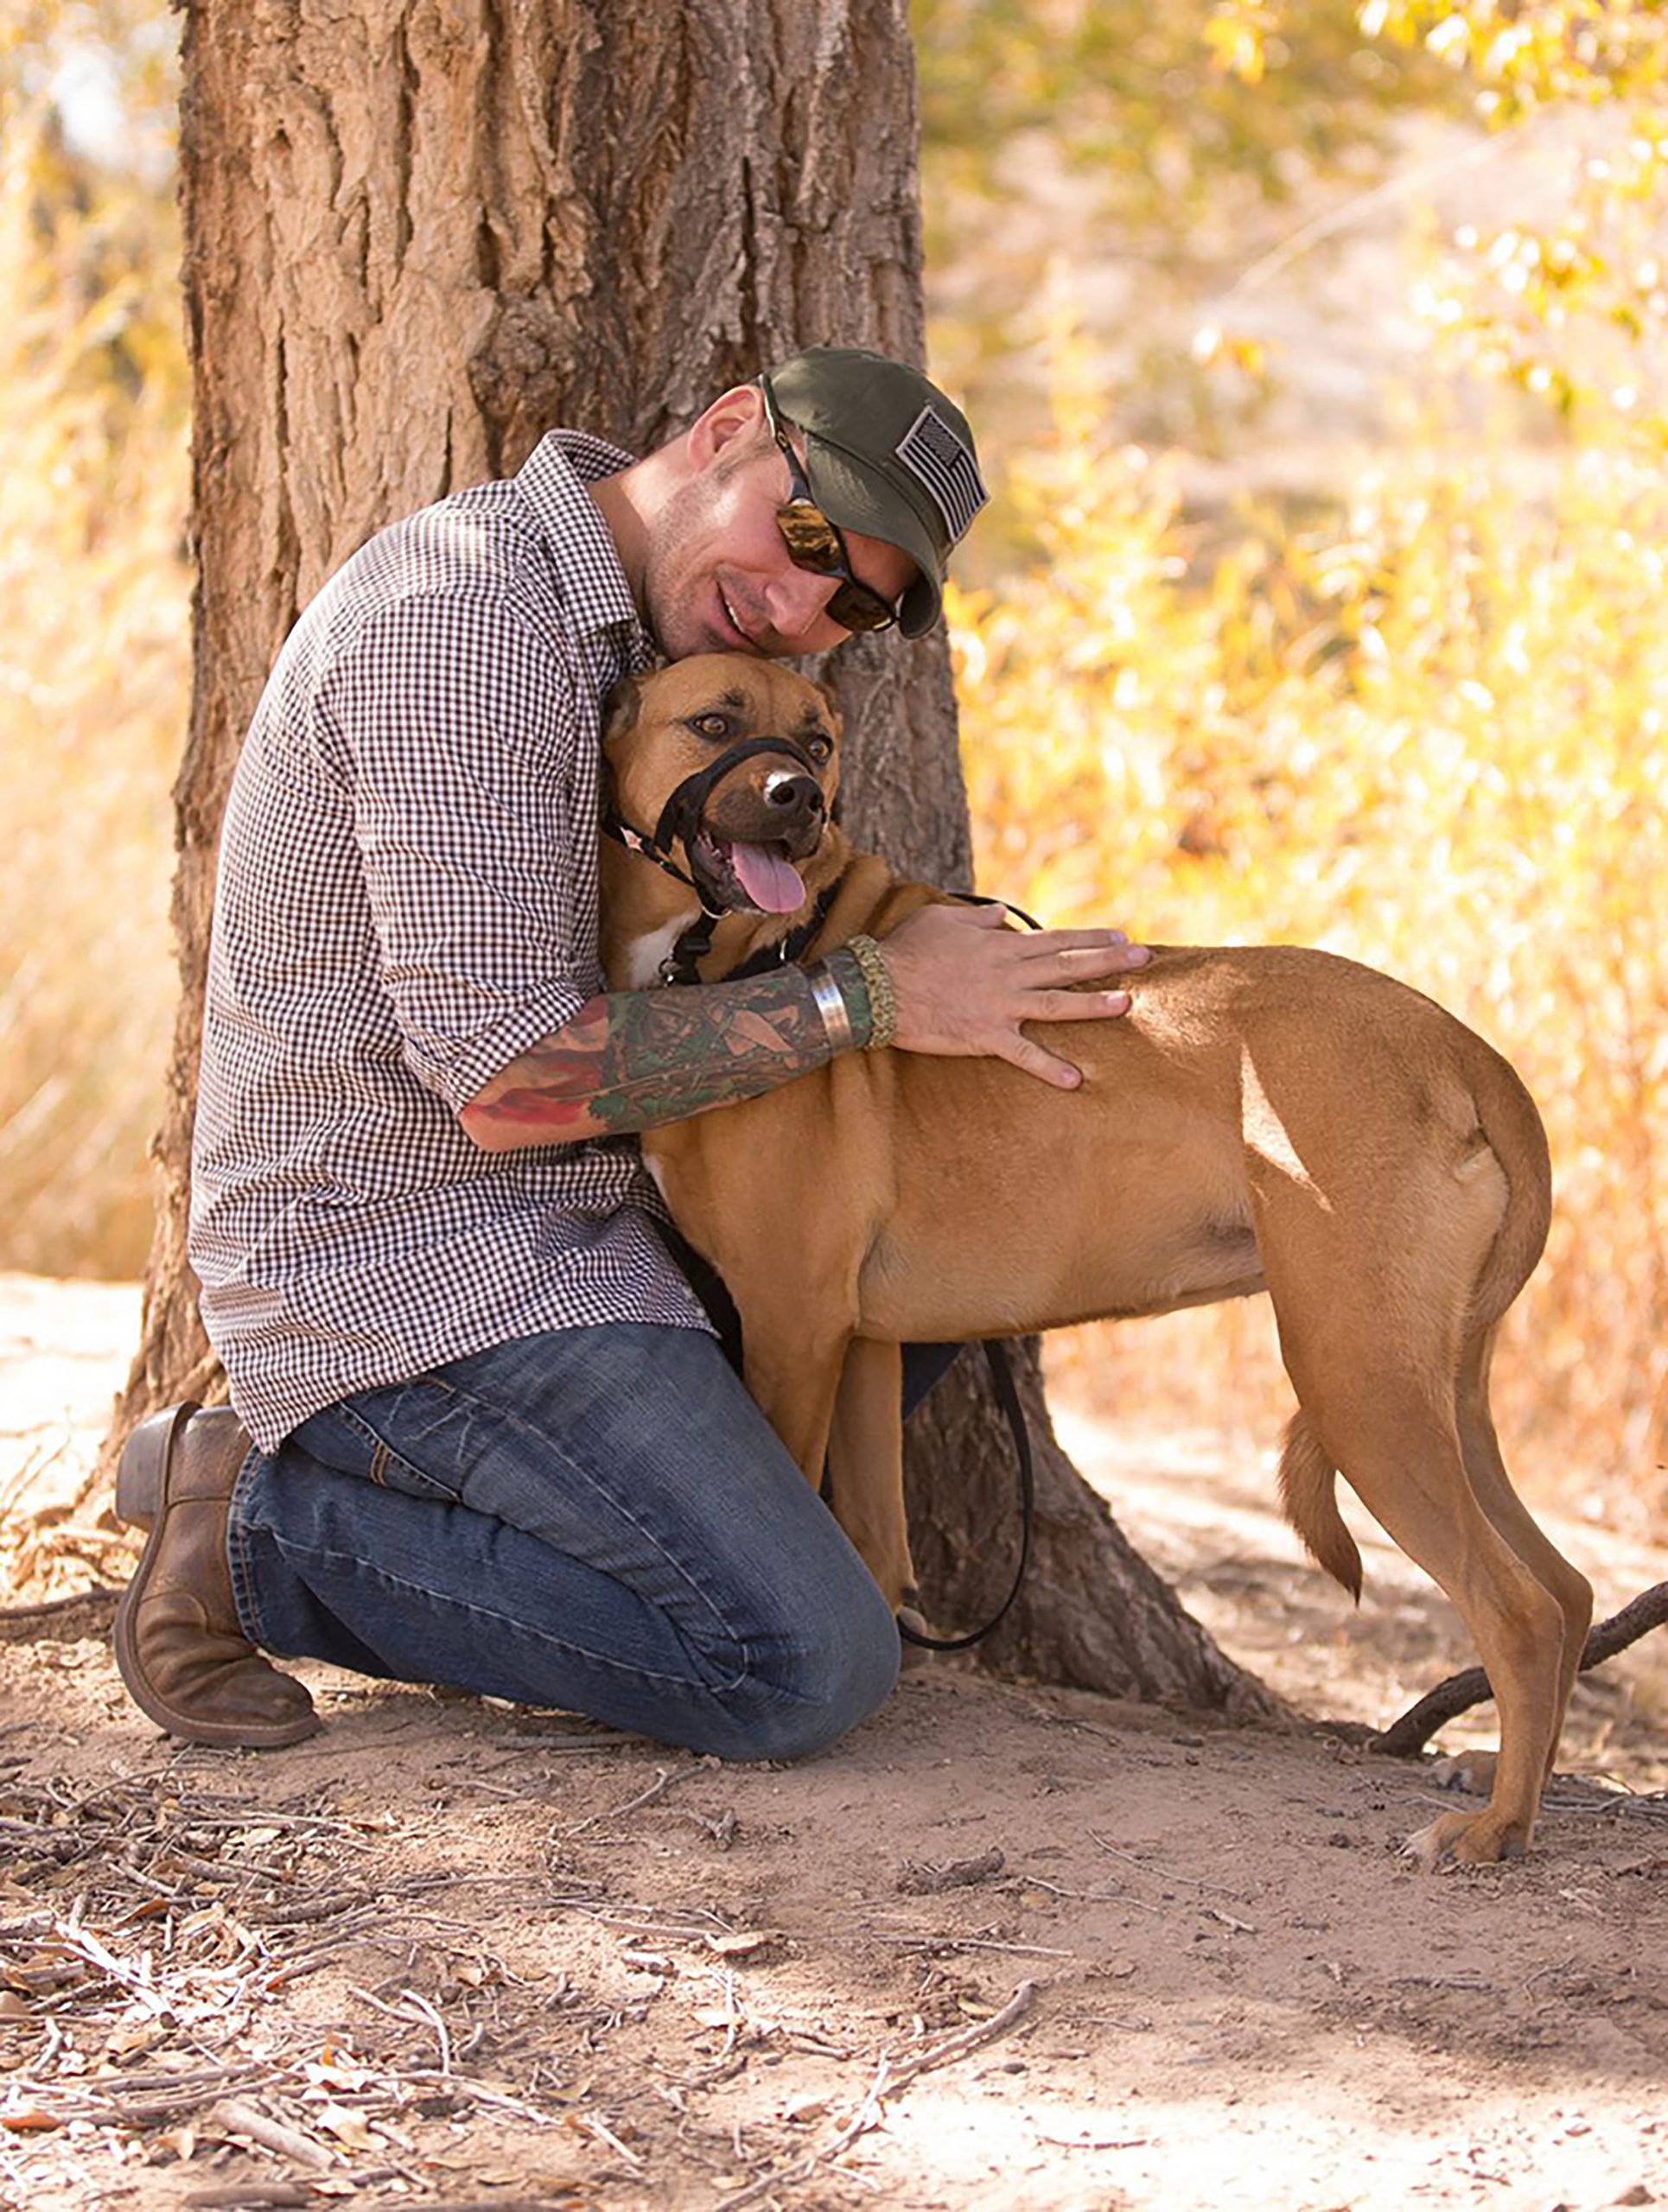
[886, 454]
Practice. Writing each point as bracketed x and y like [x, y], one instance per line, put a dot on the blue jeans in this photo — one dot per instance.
[596, 1519]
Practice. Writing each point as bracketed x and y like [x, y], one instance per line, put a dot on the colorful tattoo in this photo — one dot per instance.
[635, 1059]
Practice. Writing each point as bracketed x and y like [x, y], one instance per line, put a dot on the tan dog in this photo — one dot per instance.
[1262, 1119]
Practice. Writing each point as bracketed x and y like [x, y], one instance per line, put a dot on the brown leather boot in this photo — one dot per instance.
[179, 1644]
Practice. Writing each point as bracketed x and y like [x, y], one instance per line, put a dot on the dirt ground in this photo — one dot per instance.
[1005, 1947]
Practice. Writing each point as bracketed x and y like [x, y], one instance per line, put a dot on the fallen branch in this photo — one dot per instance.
[1460, 1692]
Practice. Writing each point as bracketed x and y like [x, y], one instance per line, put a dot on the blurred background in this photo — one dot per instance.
[1316, 354]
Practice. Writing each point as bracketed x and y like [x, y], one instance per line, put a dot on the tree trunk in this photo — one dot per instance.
[419, 233]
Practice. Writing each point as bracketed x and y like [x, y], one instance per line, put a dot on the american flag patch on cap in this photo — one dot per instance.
[943, 462]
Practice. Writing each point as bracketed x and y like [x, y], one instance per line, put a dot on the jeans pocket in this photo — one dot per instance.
[395, 1438]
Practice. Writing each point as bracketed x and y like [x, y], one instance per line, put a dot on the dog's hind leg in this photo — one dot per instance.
[1403, 1457]
[1493, 1485]
[1374, 1368]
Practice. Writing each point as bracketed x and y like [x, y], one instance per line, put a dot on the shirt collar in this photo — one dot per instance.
[554, 479]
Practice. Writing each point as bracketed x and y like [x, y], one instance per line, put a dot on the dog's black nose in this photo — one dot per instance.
[801, 796]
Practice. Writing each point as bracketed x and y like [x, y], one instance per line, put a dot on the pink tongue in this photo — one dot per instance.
[767, 879]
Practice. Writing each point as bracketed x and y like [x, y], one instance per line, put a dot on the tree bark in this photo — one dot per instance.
[419, 233]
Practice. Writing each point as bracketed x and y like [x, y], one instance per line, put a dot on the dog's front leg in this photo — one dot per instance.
[865, 1462]
[839, 1410]
[793, 1380]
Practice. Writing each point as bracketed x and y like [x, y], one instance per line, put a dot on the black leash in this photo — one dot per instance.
[1001, 1379]
[976, 899]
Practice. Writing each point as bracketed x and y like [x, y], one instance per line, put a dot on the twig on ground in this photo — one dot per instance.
[52, 1606]
[919, 1878]
[425, 2011]
[428, 2013]
[489, 2203]
[232, 1814]
[600, 2128]
[949, 1942]
[477, 2093]
[311, 1908]
[135, 1982]
[145, 2101]
[236, 2118]
[893, 2074]
[668, 1777]
[1164, 1873]
[231, 2195]
[1119, 1896]
[722, 1831]
[692, 1924]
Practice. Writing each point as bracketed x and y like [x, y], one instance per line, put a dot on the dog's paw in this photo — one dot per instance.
[1473, 1771]
[1466, 1839]
[914, 1622]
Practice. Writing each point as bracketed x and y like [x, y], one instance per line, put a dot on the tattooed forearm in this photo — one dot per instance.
[635, 1059]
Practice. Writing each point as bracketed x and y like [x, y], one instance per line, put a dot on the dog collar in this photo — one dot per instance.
[683, 963]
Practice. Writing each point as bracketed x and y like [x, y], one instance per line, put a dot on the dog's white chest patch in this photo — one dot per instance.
[643, 960]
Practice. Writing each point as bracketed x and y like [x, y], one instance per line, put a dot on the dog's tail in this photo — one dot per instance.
[1308, 1491]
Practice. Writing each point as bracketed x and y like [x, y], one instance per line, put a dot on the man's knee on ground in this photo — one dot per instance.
[819, 1682]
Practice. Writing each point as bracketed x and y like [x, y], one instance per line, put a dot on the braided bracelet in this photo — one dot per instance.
[882, 999]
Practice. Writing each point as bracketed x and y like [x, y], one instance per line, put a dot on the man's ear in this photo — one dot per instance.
[732, 423]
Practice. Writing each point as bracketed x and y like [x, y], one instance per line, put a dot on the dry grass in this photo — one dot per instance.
[93, 669]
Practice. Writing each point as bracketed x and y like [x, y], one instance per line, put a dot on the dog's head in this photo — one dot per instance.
[730, 766]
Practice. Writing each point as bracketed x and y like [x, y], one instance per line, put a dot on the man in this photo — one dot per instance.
[483, 1433]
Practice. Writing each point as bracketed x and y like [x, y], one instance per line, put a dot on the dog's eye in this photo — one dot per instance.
[820, 749]
[710, 725]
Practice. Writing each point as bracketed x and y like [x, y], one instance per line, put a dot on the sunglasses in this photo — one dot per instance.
[815, 543]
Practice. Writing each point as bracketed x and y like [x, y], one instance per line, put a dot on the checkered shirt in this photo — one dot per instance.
[407, 900]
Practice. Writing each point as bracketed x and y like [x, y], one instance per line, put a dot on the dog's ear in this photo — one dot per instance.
[620, 710]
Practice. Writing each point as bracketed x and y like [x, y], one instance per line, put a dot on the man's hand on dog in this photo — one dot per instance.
[965, 981]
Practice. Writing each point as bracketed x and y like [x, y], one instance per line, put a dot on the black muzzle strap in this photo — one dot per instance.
[680, 818]
[681, 823]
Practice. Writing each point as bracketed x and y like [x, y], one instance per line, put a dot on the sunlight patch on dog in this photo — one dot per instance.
[1264, 1132]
